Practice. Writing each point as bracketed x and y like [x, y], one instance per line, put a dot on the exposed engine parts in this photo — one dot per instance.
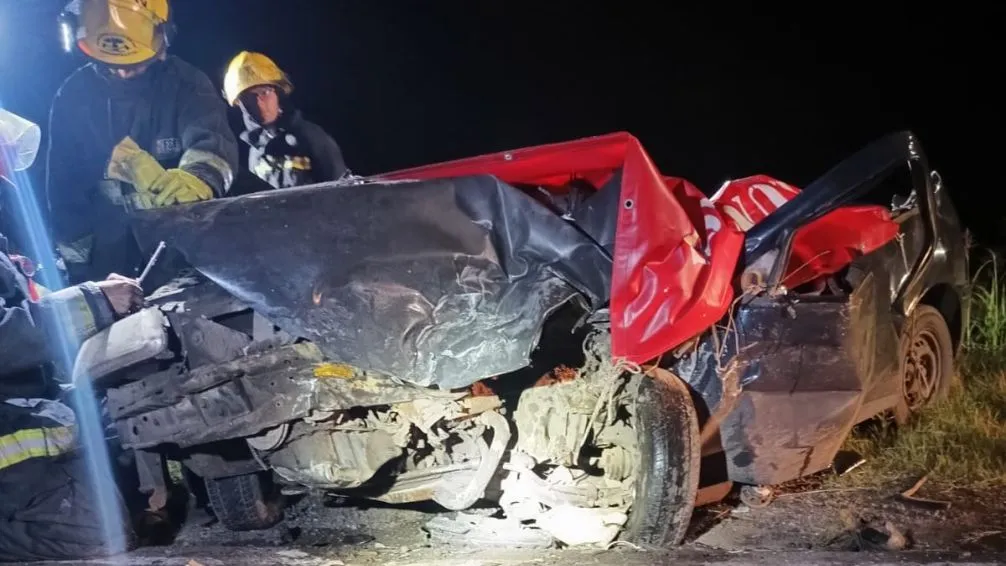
[465, 357]
[576, 452]
[561, 444]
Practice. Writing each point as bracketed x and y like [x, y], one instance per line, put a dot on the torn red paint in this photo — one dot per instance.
[820, 248]
[676, 251]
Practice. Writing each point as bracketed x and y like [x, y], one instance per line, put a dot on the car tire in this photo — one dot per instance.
[667, 481]
[927, 353]
[245, 503]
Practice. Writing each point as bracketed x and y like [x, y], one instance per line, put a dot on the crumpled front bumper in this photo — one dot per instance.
[244, 397]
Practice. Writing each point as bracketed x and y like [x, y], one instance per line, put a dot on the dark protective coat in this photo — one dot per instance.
[172, 111]
[50, 508]
[28, 329]
[293, 152]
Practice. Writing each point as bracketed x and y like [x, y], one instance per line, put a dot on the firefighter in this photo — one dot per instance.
[285, 150]
[29, 326]
[133, 128]
[48, 511]
[49, 507]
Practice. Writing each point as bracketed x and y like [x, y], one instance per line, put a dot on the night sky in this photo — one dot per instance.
[715, 95]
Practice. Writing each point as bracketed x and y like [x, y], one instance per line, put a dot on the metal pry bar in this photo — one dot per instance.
[153, 261]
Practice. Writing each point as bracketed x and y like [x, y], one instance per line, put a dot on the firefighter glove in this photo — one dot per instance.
[143, 201]
[177, 186]
[132, 165]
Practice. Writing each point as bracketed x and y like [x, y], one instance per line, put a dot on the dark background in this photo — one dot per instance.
[713, 92]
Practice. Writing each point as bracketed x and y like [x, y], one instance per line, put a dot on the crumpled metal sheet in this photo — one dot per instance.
[803, 371]
[802, 387]
[335, 459]
[446, 277]
[439, 283]
[821, 247]
[785, 389]
[852, 177]
[674, 254]
[243, 397]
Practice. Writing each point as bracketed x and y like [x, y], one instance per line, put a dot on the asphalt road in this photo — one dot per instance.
[317, 533]
[255, 556]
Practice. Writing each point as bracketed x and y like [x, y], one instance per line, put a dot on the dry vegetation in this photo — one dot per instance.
[959, 442]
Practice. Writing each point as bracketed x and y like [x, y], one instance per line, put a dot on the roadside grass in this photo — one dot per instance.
[961, 441]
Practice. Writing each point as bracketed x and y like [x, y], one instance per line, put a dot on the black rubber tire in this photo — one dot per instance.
[667, 432]
[245, 503]
[927, 319]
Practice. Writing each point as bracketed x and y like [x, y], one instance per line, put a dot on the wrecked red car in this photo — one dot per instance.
[561, 331]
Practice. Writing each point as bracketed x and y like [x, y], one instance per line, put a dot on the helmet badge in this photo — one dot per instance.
[115, 44]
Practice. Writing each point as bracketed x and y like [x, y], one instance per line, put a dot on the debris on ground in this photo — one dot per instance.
[757, 496]
[808, 515]
[559, 374]
[575, 526]
[860, 534]
[847, 461]
[811, 515]
[889, 537]
[908, 497]
[467, 529]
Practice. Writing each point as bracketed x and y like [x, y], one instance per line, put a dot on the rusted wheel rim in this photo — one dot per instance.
[757, 497]
[922, 369]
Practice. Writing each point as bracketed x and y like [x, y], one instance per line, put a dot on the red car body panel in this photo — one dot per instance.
[676, 251]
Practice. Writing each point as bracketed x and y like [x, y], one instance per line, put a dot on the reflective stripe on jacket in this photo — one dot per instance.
[35, 443]
[33, 332]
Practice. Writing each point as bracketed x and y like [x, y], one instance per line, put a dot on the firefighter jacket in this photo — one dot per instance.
[172, 111]
[293, 152]
[51, 509]
[32, 331]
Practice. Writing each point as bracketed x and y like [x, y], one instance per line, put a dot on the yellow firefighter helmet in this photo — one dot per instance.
[249, 70]
[118, 32]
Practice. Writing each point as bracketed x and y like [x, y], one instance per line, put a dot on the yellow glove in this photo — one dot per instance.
[143, 201]
[132, 165]
[178, 186]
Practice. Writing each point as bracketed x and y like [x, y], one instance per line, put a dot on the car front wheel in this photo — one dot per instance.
[927, 354]
[245, 503]
[667, 432]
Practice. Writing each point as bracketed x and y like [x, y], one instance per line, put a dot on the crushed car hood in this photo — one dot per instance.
[444, 274]
[676, 252]
[439, 282]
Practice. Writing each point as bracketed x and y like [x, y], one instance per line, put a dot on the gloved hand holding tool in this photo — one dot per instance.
[155, 186]
[124, 294]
